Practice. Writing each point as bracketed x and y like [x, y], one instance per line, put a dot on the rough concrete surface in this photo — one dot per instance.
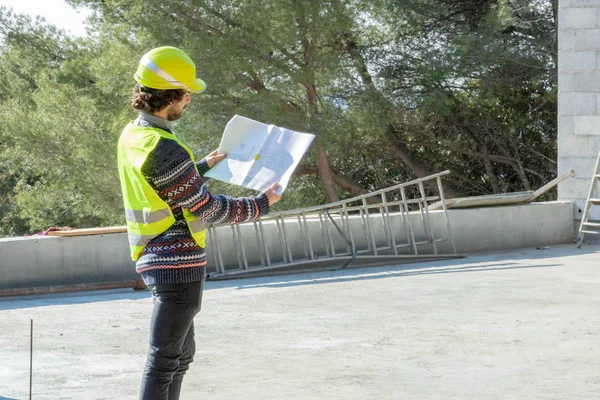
[512, 325]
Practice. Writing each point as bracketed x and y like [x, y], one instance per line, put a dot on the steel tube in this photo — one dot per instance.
[136, 284]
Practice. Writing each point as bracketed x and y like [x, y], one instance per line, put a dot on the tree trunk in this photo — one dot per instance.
[340, 180]
[311, 98]
[401, 151]
[324, 172]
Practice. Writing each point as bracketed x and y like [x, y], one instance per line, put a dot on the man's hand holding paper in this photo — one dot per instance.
[258, 155]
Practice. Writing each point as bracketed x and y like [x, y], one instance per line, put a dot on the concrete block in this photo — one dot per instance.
[578, 3]
[578, 18]
[583, 166]
[578, 146]
[587, 39]
[577, 104]
[566, 82]
[574, 188]
[563, 164]
[566, 123]
[566, 39]
[586, 82]
[587, 125]
[570, 60]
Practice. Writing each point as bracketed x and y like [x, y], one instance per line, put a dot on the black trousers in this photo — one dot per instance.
[172, 345]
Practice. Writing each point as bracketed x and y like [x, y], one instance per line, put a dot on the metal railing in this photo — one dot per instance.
[384, 226]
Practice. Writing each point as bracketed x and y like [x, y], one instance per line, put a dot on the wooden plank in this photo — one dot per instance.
[552, 183]
[501, 199]
[90, 231]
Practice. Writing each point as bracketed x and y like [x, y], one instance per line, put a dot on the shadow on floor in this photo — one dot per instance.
[382, 274]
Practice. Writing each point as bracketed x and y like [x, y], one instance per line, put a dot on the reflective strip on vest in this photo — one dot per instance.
[145, 217]
[139, 240]
[196, 226]
[148, 63]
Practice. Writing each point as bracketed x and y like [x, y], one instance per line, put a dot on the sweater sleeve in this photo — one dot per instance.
[202, 166]
[173, 175]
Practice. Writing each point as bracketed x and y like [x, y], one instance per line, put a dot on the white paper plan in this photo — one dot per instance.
[258, 154]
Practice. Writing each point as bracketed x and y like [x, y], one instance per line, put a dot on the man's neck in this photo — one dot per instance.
[156, 119]
[161, 114]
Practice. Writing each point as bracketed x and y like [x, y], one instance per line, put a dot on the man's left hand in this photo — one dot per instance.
[213, 158]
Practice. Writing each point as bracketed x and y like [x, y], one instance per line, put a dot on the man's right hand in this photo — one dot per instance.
[271, 195]
[213, 158]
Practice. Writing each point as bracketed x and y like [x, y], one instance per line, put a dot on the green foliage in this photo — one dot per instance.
[393, 90]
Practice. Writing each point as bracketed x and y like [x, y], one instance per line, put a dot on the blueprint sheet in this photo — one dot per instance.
[258, 154]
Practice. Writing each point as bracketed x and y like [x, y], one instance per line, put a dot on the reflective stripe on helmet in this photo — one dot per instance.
[148, 63]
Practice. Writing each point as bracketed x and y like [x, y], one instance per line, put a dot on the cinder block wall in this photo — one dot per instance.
[578, 98]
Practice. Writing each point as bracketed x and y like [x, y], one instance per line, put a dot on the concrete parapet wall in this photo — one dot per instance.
[49, 260]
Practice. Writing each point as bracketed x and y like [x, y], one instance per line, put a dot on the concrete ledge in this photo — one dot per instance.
[48, 261]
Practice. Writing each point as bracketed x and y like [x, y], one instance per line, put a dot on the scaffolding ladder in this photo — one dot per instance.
[387, 226]
[587, 226]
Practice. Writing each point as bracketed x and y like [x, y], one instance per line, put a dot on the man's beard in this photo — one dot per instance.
[173, 114]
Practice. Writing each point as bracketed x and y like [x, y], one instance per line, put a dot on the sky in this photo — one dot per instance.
[56, 12]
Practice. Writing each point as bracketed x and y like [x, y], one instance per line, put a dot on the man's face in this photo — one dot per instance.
[175, 109]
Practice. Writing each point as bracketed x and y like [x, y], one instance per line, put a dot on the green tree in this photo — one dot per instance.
[393, 89]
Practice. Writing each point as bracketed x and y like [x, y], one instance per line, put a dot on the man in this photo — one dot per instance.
[166, 207]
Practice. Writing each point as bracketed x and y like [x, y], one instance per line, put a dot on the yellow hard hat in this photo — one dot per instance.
[168, 68]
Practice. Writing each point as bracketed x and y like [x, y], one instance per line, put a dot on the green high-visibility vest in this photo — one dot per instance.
[147, 214]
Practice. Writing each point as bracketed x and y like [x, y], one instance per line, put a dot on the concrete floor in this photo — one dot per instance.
[515, 325]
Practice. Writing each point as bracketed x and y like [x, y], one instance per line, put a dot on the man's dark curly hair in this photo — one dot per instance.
[152, 100]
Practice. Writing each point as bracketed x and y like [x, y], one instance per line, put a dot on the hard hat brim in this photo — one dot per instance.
[198, 87]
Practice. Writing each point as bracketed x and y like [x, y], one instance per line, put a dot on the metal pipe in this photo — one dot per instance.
[349, 230]
[427, 221]
[31, 359]
[237, 243]
[281, 243]
[218, 256]
[443, 199]
[367, 218]
[239, 238]
[388, 223]
[310, 246]
[259, 243]
[136, 284]
[322, 226]
[285, 239]
[262, 236]
[406, 209]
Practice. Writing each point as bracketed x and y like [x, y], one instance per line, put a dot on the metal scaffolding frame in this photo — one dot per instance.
[339, 234]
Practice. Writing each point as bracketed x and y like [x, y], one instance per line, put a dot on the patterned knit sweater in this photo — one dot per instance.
[174, 256]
